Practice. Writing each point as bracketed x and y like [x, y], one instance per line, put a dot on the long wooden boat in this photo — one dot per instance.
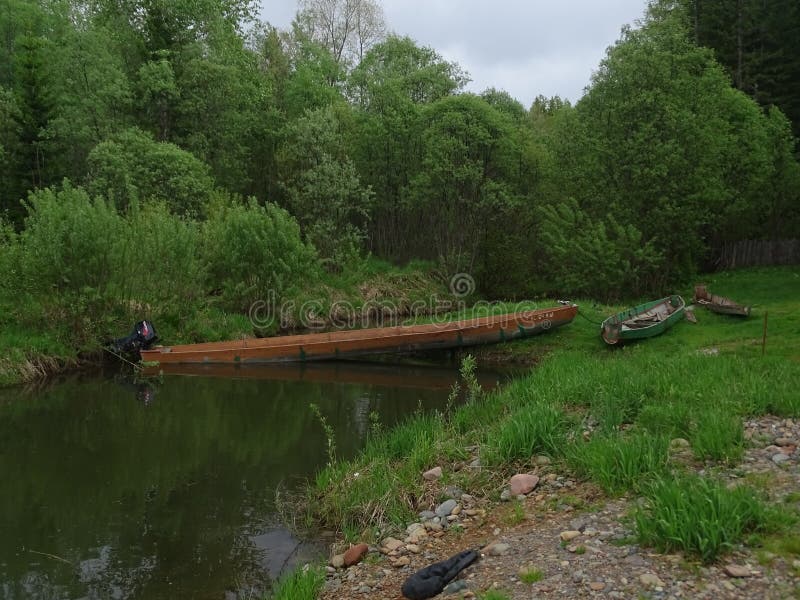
[360, 342]
[643, 321]
[719, 304]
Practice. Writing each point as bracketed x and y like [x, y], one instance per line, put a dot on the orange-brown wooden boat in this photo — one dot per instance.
[360, 342]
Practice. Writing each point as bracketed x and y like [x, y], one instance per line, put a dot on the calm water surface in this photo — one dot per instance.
[166, 488]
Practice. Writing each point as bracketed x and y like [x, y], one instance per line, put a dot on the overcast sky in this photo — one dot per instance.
[526, 47]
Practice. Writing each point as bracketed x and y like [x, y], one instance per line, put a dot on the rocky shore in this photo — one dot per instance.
[553, 536]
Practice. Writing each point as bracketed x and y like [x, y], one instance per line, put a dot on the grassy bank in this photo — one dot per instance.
[607, 415]
[38, 338]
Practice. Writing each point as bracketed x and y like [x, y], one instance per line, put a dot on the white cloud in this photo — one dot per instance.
[524, 47]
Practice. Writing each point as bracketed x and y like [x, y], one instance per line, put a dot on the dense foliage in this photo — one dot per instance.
[124, 124]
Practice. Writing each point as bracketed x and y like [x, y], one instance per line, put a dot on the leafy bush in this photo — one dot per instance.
[700, 516]
[255, 252]
[132, 166]
[157, 263]
[8, 245]
[66, 246]
[603, 258]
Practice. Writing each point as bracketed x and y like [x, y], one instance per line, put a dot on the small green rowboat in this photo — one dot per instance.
[643, 321]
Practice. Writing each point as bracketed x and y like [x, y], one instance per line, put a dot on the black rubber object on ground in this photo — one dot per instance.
[430, 581]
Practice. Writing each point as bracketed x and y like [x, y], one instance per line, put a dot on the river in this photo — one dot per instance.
[122, 487]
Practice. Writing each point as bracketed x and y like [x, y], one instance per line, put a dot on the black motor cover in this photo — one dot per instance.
[141, 338]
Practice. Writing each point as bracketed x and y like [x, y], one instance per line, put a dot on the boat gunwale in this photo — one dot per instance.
[311, 340]
[636, 311]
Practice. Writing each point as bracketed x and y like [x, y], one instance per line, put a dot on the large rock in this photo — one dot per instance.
[523, 483]
[354, 554]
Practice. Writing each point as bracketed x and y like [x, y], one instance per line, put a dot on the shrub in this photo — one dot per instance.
[157, 261]
[255, 252]
[66, 246]
[132, 166]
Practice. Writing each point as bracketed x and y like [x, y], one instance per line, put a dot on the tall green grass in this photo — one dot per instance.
[532, 429]
[620, 463]
[702, 517]
[300, 584]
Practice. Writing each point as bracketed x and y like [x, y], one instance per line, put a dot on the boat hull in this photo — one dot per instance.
[719, 304]
[617, 328]
[355, 343]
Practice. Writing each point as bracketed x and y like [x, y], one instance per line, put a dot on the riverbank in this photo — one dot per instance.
[40, 339]
[697, 415]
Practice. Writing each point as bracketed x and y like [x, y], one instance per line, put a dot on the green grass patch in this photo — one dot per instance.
[494, 595]
[718, 435]
[620, 463]
[633, 399]
[531, 575]
[702, 517]
[532, 429]
[300, 584]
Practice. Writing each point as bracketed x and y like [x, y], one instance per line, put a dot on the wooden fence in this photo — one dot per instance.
[758, 253]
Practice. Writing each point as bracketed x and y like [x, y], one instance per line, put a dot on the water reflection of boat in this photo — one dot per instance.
[370, 373]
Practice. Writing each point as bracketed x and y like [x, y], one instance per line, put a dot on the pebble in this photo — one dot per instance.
[337, 561]
[522, 483]
[542, 460]
[355, 554]
[498, 549]
[454, 587]
[433, 474]
[391, 543]
[566, 536]
[403, 561]
[445, 508]
[597, 586]
[650, 580]
[413, 548]
[737, 571]
[779, 458]
[414, 527]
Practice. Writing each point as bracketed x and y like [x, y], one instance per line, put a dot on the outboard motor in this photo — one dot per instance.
[141, 338]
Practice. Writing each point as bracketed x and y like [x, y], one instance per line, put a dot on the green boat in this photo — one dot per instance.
[643, 321]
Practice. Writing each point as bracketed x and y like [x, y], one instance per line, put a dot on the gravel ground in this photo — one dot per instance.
[580, 543]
